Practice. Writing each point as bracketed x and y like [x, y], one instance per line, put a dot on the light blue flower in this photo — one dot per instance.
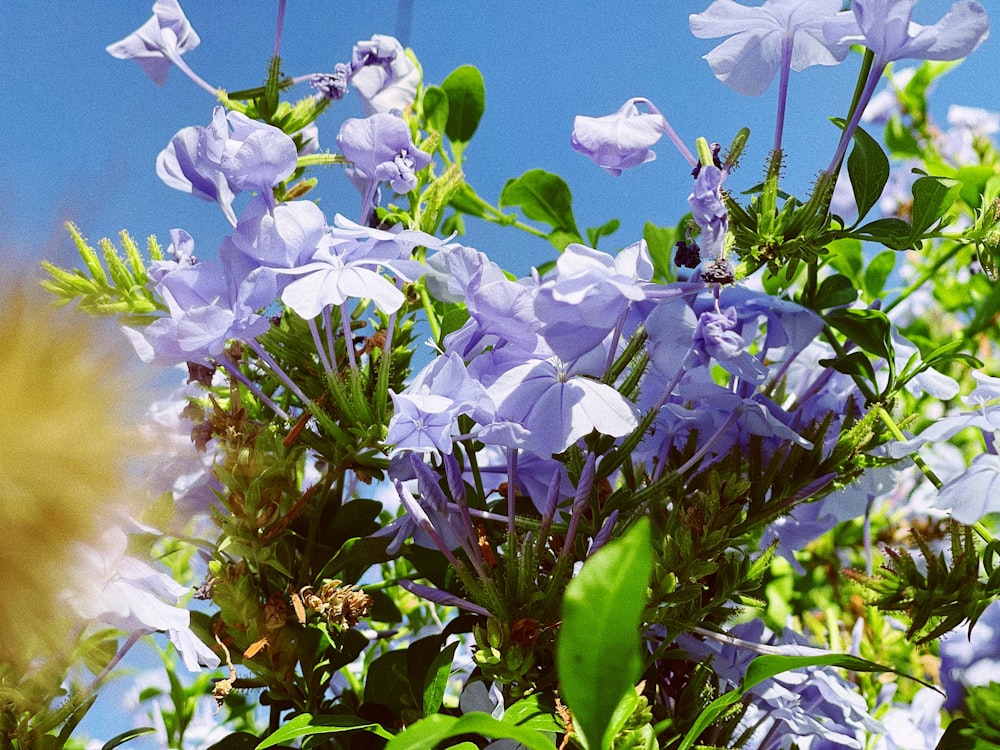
[761, 39]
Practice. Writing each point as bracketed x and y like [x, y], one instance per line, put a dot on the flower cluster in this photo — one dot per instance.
[627, 470]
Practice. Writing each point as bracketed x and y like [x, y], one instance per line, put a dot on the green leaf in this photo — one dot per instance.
[932, 197]
[304, 725]
[428, 732]
[869, 329]
[606, 229]
[661, 242]
[435, 108]
[537, 711]
[894, 233]
[868, 168]
[238, 741]
[598, 651]
[835, 291]
[466, 102]
[845, 256]
[436, 679]
[124, 737]
[877, 272]
[544, 197]
[855, 363]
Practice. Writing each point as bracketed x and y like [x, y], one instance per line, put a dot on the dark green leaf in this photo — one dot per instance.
[466, 102]
[835, 291]
[869, 329]
[855, 363]
[238, 741]
[868, 168]
[932, 197]
[598, 651]
[124, 737]
[894, 233]
[959, 736]
[437, 677]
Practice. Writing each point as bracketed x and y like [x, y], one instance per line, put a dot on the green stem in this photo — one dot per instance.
[889, 422]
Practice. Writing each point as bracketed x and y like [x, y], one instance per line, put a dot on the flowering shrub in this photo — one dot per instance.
[720, 487]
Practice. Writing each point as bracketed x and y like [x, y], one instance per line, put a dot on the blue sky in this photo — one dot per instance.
[82, 130]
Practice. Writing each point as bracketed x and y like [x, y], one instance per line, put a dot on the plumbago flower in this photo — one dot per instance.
[381, 149]
[116, 589]
[231, 155]
[160, 42]
[347, 263]
[885, 27]
[774, 36]
[382, 74]
[624, 139]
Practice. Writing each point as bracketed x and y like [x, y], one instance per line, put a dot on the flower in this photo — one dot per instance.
[621, 140]
[116, 589]
[205, 311]
[252, 155]
[332, 86]
[709, 211]
[231, 155]
[558, 406]
[588, 294]
[381, 147]
[384, 77]
[789, 32]
[180, 166]
[975, 492]
[888, 31]
[158, 42]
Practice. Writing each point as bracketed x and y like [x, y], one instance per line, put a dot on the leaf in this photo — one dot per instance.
[606, 229]
[660, 241]
[835, 291]
[544, 197]
[868, 168]
[878, 271]
[537, 711]
[436, 679]
[894, 233]
[932, 197]
[869, 329]
[238, 741]
[855, 363]
[124, 737]
[304, 725]
[435, 108]
[598, 651]
[428, 732]
[466, 102]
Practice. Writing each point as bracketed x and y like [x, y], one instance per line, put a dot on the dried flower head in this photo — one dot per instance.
[65, 443]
